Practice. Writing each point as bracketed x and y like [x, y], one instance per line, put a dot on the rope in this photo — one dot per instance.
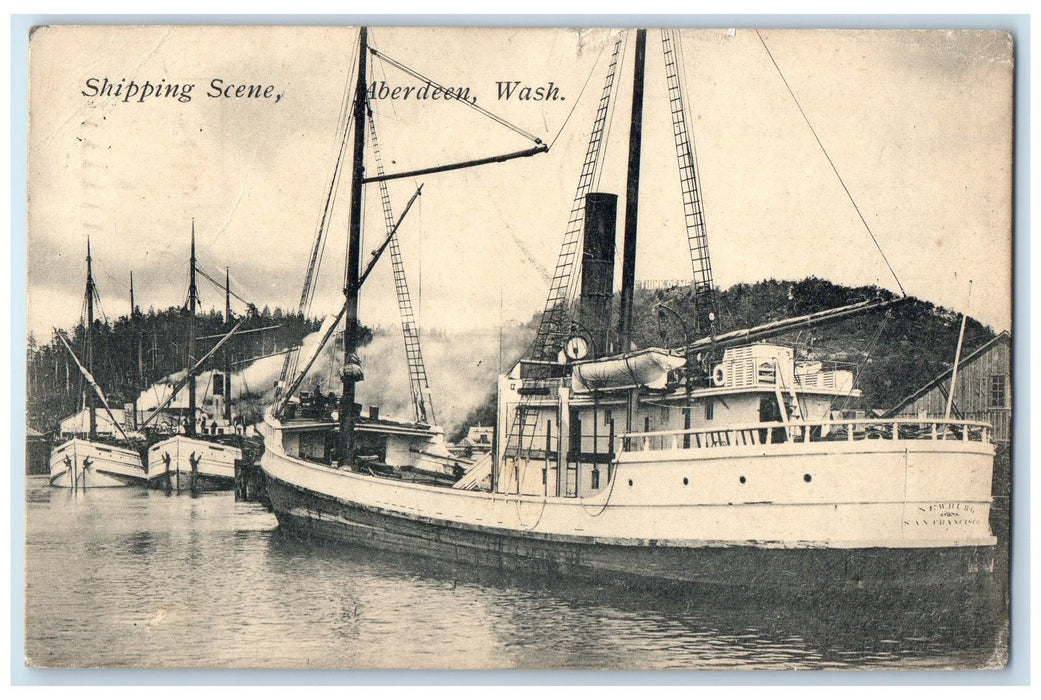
[517, 503]
[100, 308]
[863, 363]
[473, 105]
[831, 163]
[612, 104]
[580, 93]
[607, 501]
[320, 239]
[220, 285]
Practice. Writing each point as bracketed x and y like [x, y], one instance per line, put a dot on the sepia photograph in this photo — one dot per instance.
[504, 348]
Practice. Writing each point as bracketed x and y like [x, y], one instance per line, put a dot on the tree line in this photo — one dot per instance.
[132, 352]
[891, 352]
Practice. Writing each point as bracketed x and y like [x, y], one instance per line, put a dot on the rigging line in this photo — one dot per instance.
[318, 242]
[393, 109]
[831, 163]
[581, 92]
[320, 239]
[572, 291]
[97, 306]
[862, 364]
[455, 96]
[345, 111]
[383, 72]
[220, 285]
[611, 107]
[322, 236]
[119, 282]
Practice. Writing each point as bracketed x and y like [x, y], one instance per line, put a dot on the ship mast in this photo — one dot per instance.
[139, 377]
[227, 355]
[632, 196]
[89, 339]
[193, 294]
[347, 418]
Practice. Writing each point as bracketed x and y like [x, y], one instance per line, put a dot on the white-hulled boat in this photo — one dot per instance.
[182, 463]
[737, 472]
[79, 463]
[83, 460]
[198, 460]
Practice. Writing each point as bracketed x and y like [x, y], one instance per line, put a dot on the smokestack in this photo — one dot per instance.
[598, 268]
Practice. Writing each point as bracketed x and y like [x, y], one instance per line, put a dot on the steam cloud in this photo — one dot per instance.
[461, 369]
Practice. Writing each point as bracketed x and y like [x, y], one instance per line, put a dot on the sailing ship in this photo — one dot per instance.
[86, 459]
[203, 457]
[721, 461]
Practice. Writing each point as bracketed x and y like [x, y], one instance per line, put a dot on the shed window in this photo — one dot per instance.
[997, 397]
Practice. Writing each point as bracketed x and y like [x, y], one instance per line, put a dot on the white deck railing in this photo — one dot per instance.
[893, 429]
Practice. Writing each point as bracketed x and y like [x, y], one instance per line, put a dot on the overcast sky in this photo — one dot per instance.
[918, 124]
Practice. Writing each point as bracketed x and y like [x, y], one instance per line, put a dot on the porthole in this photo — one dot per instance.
[807, 478]
[630, 482]
[686, 481]
[742, 479]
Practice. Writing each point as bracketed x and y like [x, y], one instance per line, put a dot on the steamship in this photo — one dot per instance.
[721, 461]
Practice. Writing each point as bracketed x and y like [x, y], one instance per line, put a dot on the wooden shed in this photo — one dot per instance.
[37, 452]
[983, 391]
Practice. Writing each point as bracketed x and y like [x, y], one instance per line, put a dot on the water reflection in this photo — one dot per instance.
[126, 578]
[540, 623]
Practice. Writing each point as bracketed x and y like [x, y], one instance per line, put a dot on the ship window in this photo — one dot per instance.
[767, 373]
[997, 391]
[710, 408]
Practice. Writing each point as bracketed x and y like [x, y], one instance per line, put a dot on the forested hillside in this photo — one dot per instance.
[891, 352]
[54, 386]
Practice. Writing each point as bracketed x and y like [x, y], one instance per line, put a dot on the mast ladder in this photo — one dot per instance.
[554, 325]
[693, 211]
[417, 373]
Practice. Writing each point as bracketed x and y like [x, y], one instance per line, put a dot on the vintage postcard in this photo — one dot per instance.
[503, 348]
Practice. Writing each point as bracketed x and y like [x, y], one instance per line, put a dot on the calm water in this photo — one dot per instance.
[130, 578]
